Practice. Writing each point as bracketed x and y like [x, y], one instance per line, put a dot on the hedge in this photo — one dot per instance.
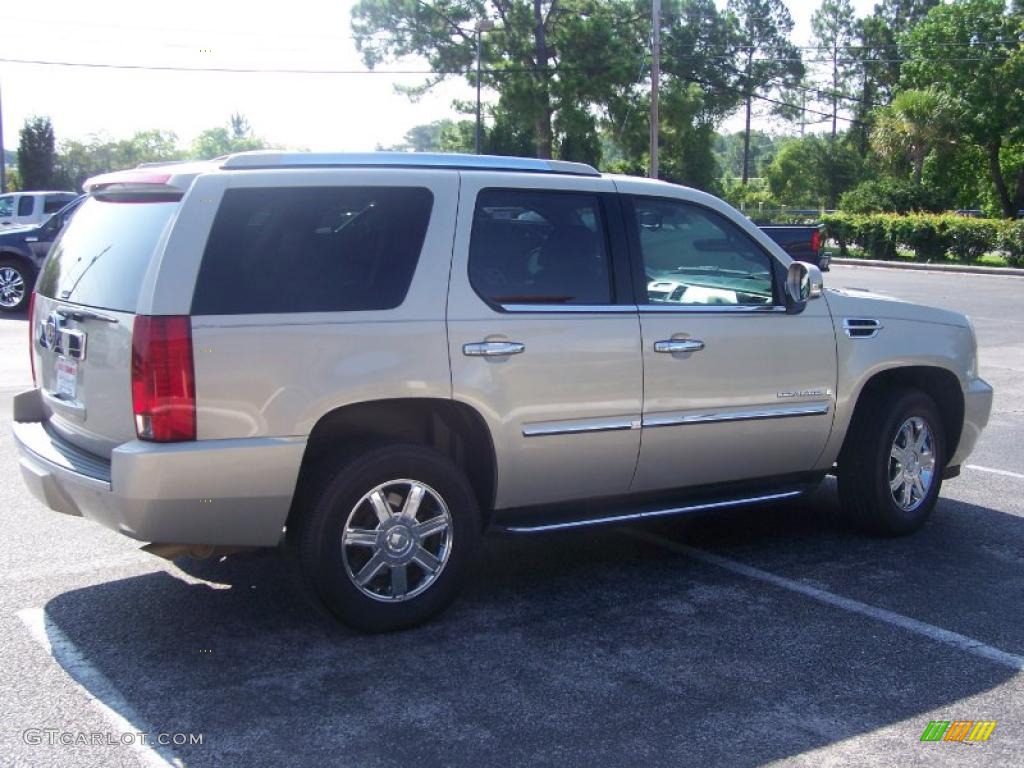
[931, 237]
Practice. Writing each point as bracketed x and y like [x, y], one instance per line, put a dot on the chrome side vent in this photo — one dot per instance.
[861, 328]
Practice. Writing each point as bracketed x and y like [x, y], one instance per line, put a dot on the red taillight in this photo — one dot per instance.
[163, 379]
[816, 241]
[32, 335]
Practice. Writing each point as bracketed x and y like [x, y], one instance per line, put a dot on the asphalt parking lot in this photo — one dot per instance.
[761, 636]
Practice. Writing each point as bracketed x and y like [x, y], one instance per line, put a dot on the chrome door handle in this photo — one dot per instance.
[493, 349]
[672, 346]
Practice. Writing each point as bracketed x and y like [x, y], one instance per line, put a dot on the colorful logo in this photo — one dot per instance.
[959, 730]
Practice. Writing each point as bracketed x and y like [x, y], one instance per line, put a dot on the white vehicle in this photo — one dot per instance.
[27, 209]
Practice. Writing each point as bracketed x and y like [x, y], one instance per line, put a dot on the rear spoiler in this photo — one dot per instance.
[150, 178]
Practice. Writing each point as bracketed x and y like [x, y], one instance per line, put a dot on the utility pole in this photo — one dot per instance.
[481, 27]
[3, 165]
[803, 112]
[655, 78]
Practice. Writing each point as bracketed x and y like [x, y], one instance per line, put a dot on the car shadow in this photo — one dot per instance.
[21, 314]
[596, 647]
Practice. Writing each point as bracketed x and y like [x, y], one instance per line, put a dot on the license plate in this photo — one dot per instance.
[67, 378]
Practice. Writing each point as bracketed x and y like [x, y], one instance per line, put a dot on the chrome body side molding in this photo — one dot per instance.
[610, 424]
[679, 419]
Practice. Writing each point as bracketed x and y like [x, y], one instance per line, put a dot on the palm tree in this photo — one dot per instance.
[915, 123]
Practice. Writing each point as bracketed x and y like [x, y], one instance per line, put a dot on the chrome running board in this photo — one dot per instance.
[646, 514]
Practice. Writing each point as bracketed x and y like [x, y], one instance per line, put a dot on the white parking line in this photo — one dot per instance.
[961, 642]
[991, 471]
[108, 700]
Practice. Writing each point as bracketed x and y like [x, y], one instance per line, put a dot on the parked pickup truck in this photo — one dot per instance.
[27, 209]
[379, 357]
[801, 242]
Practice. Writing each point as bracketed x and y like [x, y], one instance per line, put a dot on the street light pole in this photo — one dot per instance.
[655, 82]
[481, 27]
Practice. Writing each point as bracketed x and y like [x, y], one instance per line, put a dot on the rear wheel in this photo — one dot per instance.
[389, 539]
[890, 470]
[16, 282]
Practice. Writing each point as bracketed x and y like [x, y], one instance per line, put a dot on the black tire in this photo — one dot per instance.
[28, 279]
[320, 538]
[865, 496]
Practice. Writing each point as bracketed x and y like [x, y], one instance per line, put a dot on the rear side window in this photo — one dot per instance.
[539, 247]
[312, 249]
[52, 204]
[25, 206]
[102, 255]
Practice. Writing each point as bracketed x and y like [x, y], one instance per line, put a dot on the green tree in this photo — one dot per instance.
[37, 155]
[984, 77]
[697, 93]
[915, 124]
[237, 136]
[813, 171]
[78, 160]
[768, 61]
[240, 127]
[728, 149]
[877, 56]
[428, 137]
[551, 60]
[834, 28]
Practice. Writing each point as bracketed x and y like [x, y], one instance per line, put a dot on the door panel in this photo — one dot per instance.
[756, 401]
[564, 409]
[734, 388]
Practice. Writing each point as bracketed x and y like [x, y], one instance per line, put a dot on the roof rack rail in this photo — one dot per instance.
[263, 159]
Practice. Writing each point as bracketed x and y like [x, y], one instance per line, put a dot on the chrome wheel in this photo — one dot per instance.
[912, 464]
[12, 287]
[397, 540]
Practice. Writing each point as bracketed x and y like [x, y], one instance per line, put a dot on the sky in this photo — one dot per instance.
[342, 112]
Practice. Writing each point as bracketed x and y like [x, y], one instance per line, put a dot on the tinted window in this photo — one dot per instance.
[101, 256]
[538, 247]
[7, 205]
[312, 249]
[694, 256]
[25, 205]
[52, 204]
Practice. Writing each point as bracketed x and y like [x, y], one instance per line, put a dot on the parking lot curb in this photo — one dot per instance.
[911, 265]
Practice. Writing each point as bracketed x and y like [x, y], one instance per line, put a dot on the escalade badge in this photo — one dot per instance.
[805, 393]
[50, 330]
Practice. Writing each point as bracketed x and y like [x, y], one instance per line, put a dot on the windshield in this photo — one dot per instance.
[101, 257]
[7, 205]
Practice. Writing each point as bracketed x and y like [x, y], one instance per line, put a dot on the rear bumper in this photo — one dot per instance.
[977, 407]
[223, 492]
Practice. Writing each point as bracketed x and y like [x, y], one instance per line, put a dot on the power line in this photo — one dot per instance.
[286, 71]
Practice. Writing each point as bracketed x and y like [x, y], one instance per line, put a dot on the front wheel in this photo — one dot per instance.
[388, 542]
[16, 282]
[890, 470]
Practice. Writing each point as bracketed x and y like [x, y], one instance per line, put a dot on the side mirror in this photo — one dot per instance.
[803, 283]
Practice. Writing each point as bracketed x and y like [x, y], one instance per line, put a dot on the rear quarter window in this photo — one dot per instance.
[312, 249]
[102, 255]
[54, 203]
